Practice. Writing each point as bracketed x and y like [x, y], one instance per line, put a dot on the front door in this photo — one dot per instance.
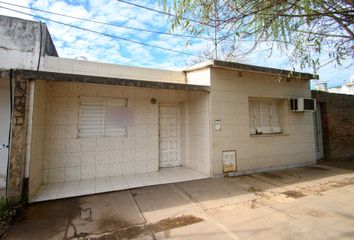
[169, 137]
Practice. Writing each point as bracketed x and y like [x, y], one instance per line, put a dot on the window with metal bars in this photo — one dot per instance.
[264, 117]
[102, 117]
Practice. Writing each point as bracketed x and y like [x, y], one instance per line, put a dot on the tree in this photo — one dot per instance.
[304, 29]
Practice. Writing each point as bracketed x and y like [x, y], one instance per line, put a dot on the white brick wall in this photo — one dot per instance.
[67, 157]
[72, 158]
[37, 137]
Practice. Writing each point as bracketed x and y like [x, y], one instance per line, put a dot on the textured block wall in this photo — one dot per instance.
[337, 117]
[68, 158]
[15, 177]
[230, 93]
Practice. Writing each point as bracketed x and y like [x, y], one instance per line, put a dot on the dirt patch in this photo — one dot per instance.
[147, 229]
[176, 222]
[294, 194]
[323, 187]
[315, 213]
[254, 189]
[342, 183]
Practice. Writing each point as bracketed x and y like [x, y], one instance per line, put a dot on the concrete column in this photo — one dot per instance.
[16, 165]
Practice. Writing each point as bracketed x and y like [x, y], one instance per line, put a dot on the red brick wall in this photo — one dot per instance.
[337, 116]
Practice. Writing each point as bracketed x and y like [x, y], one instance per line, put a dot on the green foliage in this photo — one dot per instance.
[304, 29]
[3, 208]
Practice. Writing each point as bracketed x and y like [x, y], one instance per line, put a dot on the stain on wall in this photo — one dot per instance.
[22, 42]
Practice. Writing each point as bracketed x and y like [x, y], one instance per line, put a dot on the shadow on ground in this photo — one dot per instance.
[160, 209]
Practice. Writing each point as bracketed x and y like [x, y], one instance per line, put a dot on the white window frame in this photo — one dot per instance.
[258, 127]
[103, 103]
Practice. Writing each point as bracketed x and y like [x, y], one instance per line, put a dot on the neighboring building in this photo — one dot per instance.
[334, 125]
[81, 127]
[23, 45]
[346, 88]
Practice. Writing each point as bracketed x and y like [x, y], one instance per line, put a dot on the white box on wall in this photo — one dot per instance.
[229, 161]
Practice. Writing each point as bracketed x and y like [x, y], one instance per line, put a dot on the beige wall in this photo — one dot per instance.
[198, 140]
[199, 77]
[71, 66]
[230, 91]
[37, 136]
[67, 157]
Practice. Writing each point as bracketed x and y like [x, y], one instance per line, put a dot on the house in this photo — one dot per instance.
[346, 88]
[23, 45]
[81, 127]
[334, 126]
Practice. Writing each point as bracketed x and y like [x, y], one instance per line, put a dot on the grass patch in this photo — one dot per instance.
[3, 208]
[5, 216]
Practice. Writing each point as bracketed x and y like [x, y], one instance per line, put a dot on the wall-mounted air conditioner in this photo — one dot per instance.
[303, 104]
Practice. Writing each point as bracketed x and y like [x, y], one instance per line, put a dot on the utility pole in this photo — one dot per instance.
[216, 22]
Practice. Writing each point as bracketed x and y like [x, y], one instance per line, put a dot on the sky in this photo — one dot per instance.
[71, 42]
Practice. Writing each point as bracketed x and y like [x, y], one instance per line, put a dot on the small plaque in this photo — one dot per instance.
[217, 125]
[229, 160]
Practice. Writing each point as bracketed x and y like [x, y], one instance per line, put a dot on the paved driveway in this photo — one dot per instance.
[304, 203]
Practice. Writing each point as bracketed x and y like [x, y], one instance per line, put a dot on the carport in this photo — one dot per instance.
[91, 134]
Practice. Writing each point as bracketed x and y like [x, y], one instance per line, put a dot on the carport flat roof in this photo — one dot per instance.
[66, 77]
[250, 68]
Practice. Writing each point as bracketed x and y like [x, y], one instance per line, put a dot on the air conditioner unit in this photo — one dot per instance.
[303, 104]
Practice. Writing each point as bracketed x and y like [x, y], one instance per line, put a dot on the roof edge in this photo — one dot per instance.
[251, 68]
[68, 77]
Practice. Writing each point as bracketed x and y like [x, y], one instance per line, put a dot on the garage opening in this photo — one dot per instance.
[90, 138]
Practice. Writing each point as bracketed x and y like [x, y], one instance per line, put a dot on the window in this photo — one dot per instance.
[264, 116]
[103, 117]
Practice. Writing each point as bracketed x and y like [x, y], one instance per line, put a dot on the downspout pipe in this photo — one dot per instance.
[40, 45]
[31, 86]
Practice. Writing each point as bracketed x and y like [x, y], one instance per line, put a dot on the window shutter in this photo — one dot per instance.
[265, 108]
[113, 127]
[264, 116]
[91, 117]
[274, 109]
[257, 114]
[101, 117]
[276, 128]
[252, 118]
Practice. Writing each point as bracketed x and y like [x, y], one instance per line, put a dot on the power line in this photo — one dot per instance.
[121, 26]
[107, 23]
[105, 34]
[164, 13]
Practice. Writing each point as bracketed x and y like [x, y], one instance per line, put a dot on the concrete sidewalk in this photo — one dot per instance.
[310, 203]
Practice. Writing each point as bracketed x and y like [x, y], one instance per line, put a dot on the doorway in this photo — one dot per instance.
[318, 132]
[169, 136]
